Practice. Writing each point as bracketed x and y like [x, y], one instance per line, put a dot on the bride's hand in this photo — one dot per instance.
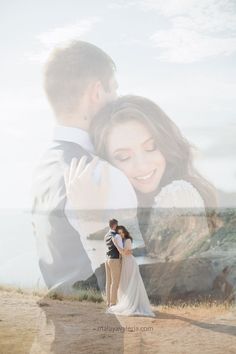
[83, 189]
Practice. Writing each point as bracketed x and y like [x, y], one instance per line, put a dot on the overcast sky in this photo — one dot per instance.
[179, 53]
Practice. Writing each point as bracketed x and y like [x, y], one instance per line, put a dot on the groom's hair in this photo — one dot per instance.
[69, 70]
[113, 222]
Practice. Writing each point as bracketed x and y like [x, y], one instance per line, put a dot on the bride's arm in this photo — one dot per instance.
[122, 251]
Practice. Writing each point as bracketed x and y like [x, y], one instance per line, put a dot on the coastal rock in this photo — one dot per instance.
[188, 256]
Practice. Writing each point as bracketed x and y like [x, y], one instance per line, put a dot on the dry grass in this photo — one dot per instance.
[204, 304]
[80, 295]
[92, 295]
[25, 291]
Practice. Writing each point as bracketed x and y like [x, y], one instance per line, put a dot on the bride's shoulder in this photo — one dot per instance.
[179, 194]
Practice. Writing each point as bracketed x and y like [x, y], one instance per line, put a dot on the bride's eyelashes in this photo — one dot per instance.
[122, 157]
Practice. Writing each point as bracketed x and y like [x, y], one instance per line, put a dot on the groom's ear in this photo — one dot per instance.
[96, 91]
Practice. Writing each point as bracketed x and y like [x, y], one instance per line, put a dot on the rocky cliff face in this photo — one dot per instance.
[188, 255]
[190, 251]
[189, 279]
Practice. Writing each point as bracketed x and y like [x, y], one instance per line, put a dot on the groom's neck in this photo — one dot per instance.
[79, 120]
[80, 117]
[76, 124]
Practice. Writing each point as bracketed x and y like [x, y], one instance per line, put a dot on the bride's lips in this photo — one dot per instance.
[145, 179]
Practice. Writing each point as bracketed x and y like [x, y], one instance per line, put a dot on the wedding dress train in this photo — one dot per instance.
[132, 295]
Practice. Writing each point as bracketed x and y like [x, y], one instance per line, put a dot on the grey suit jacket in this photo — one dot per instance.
[62, 258]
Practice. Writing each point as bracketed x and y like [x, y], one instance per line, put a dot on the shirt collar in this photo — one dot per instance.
[73, 135]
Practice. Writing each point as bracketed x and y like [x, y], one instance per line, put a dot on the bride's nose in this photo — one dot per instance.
[140, 163]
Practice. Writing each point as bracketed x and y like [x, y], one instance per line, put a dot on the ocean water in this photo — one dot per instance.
[18, 254]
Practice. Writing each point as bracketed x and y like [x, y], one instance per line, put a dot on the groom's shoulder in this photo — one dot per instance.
[109, 233]
[61, 152]
[67, 150]
[117, 236]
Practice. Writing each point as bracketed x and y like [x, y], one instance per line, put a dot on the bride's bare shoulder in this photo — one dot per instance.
[179, 194]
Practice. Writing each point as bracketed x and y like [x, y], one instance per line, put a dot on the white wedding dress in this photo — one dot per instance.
[132, 295]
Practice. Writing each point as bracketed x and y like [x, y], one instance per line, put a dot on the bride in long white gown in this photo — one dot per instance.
[132, 295]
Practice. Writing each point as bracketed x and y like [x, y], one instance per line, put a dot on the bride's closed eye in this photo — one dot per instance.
[122, 157]
[150, 145]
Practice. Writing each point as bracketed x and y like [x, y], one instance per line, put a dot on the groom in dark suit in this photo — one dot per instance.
[79, 81]
[113, 262]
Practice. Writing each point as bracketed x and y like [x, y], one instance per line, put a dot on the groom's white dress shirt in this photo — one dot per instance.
[118, 238]
[121, 197]
[73, 135]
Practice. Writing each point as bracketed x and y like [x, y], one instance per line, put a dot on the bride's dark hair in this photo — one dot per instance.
[125, 231]
[169, 140]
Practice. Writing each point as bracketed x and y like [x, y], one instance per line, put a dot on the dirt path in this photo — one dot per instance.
[32, 325]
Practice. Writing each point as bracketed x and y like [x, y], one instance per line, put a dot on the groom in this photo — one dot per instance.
[79, 80]
[113, 263]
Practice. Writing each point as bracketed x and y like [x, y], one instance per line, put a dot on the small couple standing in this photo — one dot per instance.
[125, 291]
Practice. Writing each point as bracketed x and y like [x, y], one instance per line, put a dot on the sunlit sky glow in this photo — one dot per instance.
[179, 53]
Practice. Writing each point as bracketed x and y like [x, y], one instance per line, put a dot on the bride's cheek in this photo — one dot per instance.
[123, 166]
[127, 169]
[161, 162]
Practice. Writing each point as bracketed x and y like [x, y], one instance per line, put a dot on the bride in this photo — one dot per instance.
[139, 139]
[174, 200]
[132, 296]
